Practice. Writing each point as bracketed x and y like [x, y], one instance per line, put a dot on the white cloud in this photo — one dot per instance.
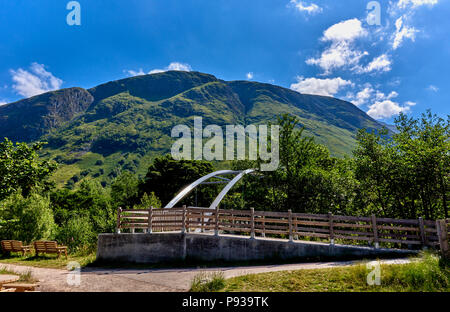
[381, 63]
[249, 76]
[401, 32]
[362, 96]
[173, 66]
[338, 55]
[433, 88]
[302, 6]
[135, 73]
[416, 3]
[35, 81]
[341, 52]
[3, 103]
[385, 109]
[326, 87]
[348, 30]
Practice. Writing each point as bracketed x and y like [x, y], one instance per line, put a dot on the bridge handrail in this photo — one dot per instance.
[372, 230]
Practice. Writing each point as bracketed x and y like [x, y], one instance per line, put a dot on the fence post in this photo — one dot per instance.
[252, 223]
[263, 226]
[375, 231]
[216, 227]
[291, 237]
[119, 212]
[442, 232]
[183, 220]
[330, 219]
[202, 216]
[150, 220]
[422, 233]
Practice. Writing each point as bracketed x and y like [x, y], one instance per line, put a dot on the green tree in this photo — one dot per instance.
[20, 168]
[166, 177]
[27, 218]
[125, 190]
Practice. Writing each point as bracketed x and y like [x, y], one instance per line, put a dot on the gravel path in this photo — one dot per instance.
[148, 280]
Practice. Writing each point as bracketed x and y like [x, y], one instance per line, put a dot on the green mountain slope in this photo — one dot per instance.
[124, 124]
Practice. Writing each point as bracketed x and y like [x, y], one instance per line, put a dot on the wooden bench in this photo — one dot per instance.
[15, 246]
[18, 287]
[49, 247]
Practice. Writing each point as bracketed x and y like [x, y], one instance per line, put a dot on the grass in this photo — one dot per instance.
[428, 273]
[25, 277]
[49, 261]
[208, 282]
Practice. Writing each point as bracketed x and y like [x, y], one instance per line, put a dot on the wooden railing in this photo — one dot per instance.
[372, 230]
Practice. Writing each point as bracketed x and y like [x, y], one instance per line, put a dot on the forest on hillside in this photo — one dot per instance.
[400, 174]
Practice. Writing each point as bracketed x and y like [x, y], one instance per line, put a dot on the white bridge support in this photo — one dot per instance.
[203, 180]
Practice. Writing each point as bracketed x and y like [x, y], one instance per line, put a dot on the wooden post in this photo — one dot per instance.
[150, 220]
[119, 212]
[330, 220]
[216, 227]
[252, 223]
[375, 231]
[422, 233]
[263, 226]
[291, 237]
[442, 232]
[183, 220]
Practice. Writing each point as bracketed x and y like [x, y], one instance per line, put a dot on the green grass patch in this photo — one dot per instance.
[208, 282]
[49, 261]
[25, 277]
[427, 273]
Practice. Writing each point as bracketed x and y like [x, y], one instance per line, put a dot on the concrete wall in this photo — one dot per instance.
[175, 247]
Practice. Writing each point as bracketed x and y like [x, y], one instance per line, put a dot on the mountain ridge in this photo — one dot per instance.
[125, 123]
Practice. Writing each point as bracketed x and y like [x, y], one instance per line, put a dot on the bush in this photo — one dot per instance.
[26, 218]
[77, 233]
[207, 282]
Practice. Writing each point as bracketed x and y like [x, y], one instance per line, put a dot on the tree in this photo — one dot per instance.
[20, 168]
[125, 190]
[166, 177]
[405, 174]
[27, 218]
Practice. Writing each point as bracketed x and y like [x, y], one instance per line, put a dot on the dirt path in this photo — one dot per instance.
[148, 280]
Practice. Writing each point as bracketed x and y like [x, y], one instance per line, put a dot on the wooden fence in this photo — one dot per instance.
[387, 232]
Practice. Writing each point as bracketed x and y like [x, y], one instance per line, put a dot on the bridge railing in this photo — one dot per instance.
[373, 230]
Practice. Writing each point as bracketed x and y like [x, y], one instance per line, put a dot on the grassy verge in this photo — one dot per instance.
[23, 277]
[49, 261]
[429, 273]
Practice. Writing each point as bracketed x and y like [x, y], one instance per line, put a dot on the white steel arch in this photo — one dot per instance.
[202, 180]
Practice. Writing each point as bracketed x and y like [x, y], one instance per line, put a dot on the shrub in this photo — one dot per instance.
[207, 282]
[77, 233]
[27, 218]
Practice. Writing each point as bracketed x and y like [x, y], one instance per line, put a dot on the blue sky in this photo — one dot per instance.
[313, 46]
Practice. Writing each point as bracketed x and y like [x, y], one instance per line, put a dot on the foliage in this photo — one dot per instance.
[429, 273]
[406, 175]
[148, 201]
[166, 177]
[27, 218]
[77, 232]
[20, 168]
[207, 282]
[125, 190]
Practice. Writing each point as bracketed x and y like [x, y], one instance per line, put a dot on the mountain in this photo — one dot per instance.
[124, 124]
